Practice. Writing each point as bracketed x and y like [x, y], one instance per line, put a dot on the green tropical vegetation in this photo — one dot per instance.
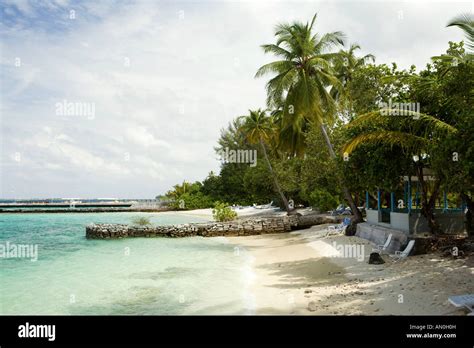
[222, 212]
[324, 137]
[260, 129]
[141, 221]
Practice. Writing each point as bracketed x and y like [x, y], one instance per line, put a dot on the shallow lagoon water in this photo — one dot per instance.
[135, 276]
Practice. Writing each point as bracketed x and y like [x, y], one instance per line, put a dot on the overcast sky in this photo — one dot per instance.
[158, 80]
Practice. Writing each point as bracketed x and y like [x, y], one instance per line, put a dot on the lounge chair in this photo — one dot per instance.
[401, 255]
[340, 227]
[463, 301]
[341, 210]
[383, 247]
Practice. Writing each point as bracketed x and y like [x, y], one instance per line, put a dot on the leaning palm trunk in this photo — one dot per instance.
[345, 190]
[275, 180]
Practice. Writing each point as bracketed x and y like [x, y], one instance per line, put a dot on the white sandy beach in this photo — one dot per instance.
[298, 273]
[241, 213]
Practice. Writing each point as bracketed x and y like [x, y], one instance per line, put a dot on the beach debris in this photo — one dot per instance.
[332, 273]
[375, 259]
[308, 291]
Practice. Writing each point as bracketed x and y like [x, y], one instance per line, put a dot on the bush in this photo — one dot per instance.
[188, 201]
[141, 221]
[222, 212]
[323, 200]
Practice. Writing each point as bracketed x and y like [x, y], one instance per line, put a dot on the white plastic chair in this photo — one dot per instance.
[400, 255]
[383, 247]
[465, 301]
[340, 227]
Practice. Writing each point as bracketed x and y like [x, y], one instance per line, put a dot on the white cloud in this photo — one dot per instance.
[142, 136]
[186, 79]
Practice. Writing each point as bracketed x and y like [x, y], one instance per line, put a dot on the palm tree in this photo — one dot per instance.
[231, 137]
[259, 129]
[303, 75]
[290, 138]
[345, 64]
[179, 190]
[413, 134]
[466, 23]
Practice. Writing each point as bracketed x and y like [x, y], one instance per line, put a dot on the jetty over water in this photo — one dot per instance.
[82, 206]
[64, 205]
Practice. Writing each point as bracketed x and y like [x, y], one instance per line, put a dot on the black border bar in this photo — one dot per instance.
[241, 330]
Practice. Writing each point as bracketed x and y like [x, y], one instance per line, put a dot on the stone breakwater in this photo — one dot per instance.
[210, 229]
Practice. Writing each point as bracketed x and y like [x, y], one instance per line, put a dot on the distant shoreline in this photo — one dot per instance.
[81, 211]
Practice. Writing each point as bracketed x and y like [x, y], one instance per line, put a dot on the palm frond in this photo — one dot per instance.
[417, 119]
[330, 40]
[465, 22]
[276, 50]
[274, 67]
[406, 141]
[313, 21]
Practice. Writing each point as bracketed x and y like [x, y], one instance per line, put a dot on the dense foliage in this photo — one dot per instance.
[332, 130]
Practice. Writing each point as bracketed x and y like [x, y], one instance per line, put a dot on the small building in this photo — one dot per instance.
[404, 213]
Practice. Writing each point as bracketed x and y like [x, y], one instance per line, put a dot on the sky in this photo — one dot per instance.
[124, 99]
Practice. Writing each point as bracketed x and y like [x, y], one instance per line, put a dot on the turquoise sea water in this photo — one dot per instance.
[142, 276]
